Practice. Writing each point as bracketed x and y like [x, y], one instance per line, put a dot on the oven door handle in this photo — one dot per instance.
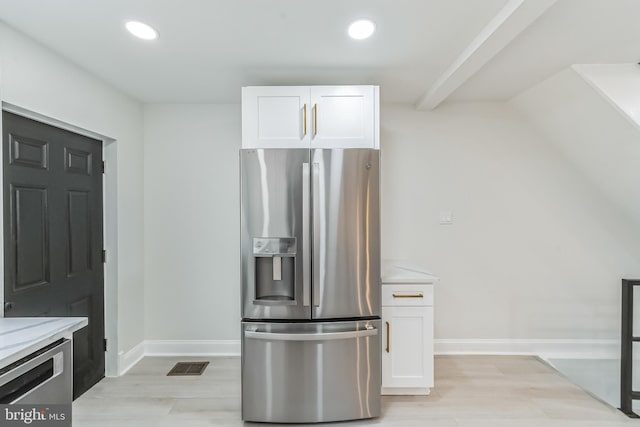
[327, 336]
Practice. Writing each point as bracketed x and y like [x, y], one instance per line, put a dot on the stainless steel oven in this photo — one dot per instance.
[43, 377]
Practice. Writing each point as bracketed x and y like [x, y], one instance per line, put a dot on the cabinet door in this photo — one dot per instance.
[344, 117]
[274, 117]
[407, 347]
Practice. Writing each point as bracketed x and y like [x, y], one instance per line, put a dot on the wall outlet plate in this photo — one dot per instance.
[446, 217]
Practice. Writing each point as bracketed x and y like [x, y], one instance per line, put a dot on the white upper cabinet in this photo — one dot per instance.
[344, 117]
[274, 117]
[310, 117]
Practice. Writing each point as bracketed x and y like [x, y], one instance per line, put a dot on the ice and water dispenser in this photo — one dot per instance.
[275, 269]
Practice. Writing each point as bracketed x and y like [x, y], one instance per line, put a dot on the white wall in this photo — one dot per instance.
[191, 196]
[37, 80]
[534, 252]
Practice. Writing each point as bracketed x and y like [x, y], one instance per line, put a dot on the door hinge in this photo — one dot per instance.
[104, 256]
[105, 344]
[103, 166]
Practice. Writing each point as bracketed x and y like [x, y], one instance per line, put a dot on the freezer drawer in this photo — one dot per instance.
[310, 372]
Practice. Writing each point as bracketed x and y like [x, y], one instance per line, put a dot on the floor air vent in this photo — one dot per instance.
[188, 368]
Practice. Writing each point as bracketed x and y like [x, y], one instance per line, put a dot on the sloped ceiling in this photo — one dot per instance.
[592, 132]
[571, 32]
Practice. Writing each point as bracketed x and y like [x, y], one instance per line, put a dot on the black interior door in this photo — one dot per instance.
[53, 234]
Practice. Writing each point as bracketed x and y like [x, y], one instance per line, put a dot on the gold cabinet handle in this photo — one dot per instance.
[408, 296]
[387, 349]
[304, 120]
[315, 119]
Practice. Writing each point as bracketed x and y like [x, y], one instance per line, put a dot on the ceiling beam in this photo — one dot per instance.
[512, 20]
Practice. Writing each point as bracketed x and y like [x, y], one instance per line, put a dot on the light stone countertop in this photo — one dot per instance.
[395, 273]
[21, 336]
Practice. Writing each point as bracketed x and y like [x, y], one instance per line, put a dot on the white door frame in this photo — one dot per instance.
[110, 227]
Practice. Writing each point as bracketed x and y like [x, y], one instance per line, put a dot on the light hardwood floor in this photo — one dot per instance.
[482, 391]
[600, 377]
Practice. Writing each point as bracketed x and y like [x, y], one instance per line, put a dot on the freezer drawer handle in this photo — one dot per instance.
[310, 337]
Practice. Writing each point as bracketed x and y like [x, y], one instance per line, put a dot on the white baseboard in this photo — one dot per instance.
[192, 348]
[546, 349]
[176, 348]
[127, 360]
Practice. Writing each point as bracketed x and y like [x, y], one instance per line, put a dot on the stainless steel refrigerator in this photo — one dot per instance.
[310, 243]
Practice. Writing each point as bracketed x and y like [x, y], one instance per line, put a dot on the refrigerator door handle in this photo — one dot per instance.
[306, 254]
[315, 183]
[312, 336]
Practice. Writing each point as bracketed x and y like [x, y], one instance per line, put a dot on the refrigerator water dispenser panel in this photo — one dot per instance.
[274, 270]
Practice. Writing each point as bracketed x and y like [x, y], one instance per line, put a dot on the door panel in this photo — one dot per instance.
[275, 271]
[28, 152]
[310, 372]
[407, 358]
[346, 233]
[29, 219]
[343, 116]
[79, 254]
[53, 233]
[275, 117]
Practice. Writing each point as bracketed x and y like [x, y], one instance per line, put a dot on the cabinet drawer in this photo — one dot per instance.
[415, 294]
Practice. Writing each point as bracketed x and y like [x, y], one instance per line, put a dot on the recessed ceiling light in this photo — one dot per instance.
[361, 29]
[142, 30]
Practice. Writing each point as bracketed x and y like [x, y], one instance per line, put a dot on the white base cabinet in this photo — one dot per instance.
[407, 359]
[407, 338]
